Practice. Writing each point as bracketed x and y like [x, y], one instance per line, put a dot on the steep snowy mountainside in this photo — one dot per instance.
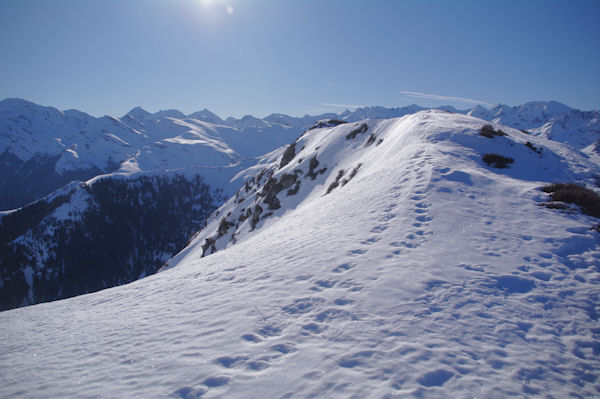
[28, 129]
[325, 159]
[427, 274]
[551, 120]
[247, 138]
[108, 231]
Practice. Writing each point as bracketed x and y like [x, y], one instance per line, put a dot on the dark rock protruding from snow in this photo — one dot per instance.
[288, 155]
[361, 129]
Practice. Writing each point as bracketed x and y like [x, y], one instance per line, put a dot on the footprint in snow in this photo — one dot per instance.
[302, 305]
[355, 359]
[333, 314]
[405, 244]
[351, 285]
[270, 331]
[344, 267]
[189, 393]
[231, 361]
[387, 217]
[510, 284]
[343, 301]
[251, 338]
[370, 241]
[424, 218]
[257, 365]
[313, 328]
[379, 229]
[284, 348]
[356, 252]
[216, 381]
[323, 284]
[435, 378]
[390, 207]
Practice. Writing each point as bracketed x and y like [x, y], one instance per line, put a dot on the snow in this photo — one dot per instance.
[429, 274]
[551, 120]
[77, 204]
[140, 141]
[169, 139]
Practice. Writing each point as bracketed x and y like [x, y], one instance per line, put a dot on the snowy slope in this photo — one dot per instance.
[428, 274]
[551, 120]
[56, 247]
[150, 141]
[345, 157]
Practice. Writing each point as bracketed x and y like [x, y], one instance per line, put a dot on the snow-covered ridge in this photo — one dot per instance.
[329, 156]
[427, 274]
[551, 120]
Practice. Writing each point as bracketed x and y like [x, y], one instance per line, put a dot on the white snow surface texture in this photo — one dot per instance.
[429, 274]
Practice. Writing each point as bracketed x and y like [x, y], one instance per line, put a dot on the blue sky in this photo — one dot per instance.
[239, 57]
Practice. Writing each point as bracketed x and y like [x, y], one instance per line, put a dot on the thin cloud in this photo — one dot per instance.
[444, 98]
[341, 105]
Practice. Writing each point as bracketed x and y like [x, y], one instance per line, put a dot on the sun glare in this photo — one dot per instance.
[211, 3]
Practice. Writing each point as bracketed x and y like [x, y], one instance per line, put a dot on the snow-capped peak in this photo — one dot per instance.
[206, 116]
[137, 113]
[169, 113]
